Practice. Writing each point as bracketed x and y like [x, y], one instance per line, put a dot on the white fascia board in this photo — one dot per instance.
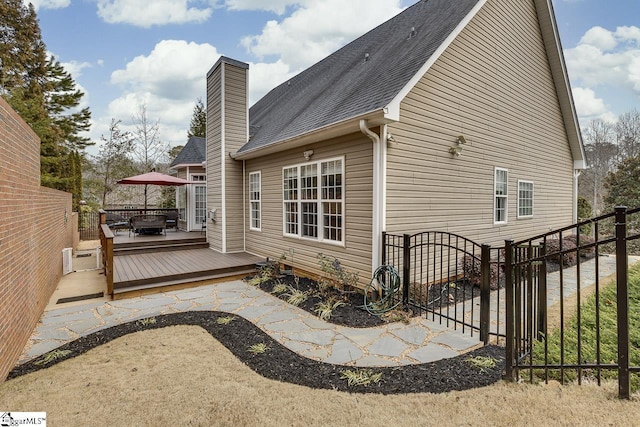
[392, 110]
[223, 159]
[553, 46]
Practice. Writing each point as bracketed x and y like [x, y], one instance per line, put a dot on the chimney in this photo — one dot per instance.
[227, 131]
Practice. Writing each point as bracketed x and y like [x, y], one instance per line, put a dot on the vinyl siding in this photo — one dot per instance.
[494, 86]
[214, 155]
[236, 136]
[270, 242]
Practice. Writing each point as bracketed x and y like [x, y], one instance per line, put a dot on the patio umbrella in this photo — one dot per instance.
[153, 178]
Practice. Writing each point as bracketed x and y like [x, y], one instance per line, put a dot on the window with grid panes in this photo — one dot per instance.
[313, 200]
[255, 206]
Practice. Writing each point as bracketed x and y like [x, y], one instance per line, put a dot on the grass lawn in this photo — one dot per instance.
[181, 373]
[608, 350]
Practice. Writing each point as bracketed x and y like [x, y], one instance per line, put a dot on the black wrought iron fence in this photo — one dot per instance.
[450, 279]
[88, 223]
[556, 326]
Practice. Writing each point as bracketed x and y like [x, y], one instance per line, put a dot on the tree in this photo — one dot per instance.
[41, 92]
[601, 152]
[198, 126]
[112, 163]
[62, 98]
[622, 185]
[148, 149]
[628, 134]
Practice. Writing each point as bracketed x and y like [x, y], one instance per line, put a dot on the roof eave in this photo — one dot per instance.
[184, 165]
[553, 47]
[334, 130]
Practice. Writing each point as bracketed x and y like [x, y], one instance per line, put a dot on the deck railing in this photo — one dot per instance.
[106, 243]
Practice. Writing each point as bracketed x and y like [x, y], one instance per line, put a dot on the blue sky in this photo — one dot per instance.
[123, 54]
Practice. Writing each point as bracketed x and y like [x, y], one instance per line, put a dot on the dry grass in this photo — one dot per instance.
[157, 377]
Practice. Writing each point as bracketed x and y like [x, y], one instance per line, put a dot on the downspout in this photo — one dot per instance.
[576, 175]
[378, 192]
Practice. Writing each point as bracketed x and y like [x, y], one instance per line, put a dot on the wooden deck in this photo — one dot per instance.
[145, 264]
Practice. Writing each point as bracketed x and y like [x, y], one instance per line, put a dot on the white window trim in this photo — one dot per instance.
[320, 200]
[251, 201]
[524, 181]
[495, 197]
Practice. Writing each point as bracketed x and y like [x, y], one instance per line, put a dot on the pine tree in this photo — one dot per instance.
[198, 126]
[41, 92]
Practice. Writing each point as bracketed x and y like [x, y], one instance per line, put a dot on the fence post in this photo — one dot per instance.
[622, 276]
[509, 308]
[406, 268]
[485, 292]
[542, 293]
[384, 248]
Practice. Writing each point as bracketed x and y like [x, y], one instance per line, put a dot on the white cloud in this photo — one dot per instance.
[599, 38]
[263, 77]
[606, 57]
[48, 4]
[276, 6]
[317, 28]
[591, 107]
[168, 80]
[75, 68]
[152, 12]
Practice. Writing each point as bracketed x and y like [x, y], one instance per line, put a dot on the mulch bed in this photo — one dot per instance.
[281, 364]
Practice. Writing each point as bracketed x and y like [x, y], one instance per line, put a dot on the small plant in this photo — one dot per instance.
[279, 288]
[343, 279]
[225, 320]
[295, 296]
[259, 348]
[146, 322]
[361, 377]
[324, 309]
[397, 316]
[52, 356]
[263, 276]
[482, 362]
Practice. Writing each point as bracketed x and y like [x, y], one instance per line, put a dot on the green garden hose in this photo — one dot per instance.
[388, 282]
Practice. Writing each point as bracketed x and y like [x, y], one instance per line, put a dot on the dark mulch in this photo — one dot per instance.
[351, 314]
[281, 364]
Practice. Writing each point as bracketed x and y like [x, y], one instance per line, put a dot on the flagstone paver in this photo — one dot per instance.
[394, 344]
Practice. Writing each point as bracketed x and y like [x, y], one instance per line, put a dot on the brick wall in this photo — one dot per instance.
[36, 223]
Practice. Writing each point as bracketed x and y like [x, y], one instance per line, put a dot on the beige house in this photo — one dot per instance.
[452, 116]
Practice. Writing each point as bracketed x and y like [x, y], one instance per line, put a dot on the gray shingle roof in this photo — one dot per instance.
[195, 152]
[344, 85]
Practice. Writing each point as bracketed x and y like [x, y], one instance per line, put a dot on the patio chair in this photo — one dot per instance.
[117, 222]
[172, 219]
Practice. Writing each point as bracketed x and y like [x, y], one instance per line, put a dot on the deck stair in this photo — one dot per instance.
[142, 246]
[156, 269]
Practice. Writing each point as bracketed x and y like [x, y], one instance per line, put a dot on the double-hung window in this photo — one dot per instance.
[525, 199]
[255, 206]
[313, 203]
[501, 192]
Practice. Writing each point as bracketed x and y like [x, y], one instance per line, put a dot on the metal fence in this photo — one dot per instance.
[566, 342]
[451, 280]
[88, 223]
